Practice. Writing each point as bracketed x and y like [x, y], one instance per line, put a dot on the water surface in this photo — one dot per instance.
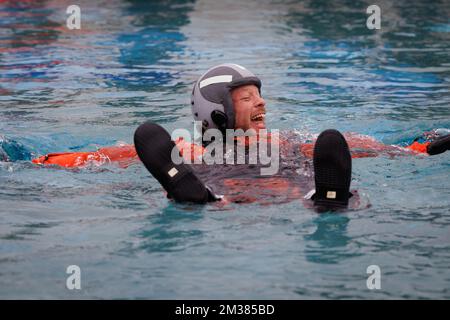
[132, 61]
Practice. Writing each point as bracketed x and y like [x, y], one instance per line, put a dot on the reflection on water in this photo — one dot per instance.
[77, 90]
[154, 39]
[328, 242]
[167, 231]
[346, 65]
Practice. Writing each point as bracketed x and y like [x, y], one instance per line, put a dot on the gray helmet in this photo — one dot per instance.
[211, 96]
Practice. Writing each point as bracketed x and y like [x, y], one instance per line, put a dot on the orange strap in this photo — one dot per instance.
[68, 159]
[189, 151]
[419, 147]
[121, 154]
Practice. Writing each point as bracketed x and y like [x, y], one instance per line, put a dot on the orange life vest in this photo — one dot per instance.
[360, 147]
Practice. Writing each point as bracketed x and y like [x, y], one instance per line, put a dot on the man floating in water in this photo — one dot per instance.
[228, 97]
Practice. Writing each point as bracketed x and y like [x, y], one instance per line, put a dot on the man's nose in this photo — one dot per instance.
[260, 102]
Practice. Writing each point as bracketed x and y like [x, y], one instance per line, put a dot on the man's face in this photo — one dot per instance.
[249, 108]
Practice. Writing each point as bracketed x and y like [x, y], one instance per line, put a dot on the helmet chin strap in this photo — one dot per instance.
[229, 111]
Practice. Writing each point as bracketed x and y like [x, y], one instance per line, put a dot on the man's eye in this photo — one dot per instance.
[246, 99]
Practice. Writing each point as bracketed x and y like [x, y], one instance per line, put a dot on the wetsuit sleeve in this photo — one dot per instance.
[357, 149]
[362, 147]
[439, 145]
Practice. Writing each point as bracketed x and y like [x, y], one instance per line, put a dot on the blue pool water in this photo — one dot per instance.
[132, 61]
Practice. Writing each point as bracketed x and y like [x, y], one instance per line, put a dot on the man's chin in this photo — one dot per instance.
[260, 125]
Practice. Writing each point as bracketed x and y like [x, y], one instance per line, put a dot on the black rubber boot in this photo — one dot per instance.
[439, 145]
[332, 171]
[154, 147]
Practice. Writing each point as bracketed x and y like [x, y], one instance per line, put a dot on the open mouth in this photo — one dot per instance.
[258, 117]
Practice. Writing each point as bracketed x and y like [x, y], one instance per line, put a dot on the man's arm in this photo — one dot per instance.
[362, 146]
[123, 155]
